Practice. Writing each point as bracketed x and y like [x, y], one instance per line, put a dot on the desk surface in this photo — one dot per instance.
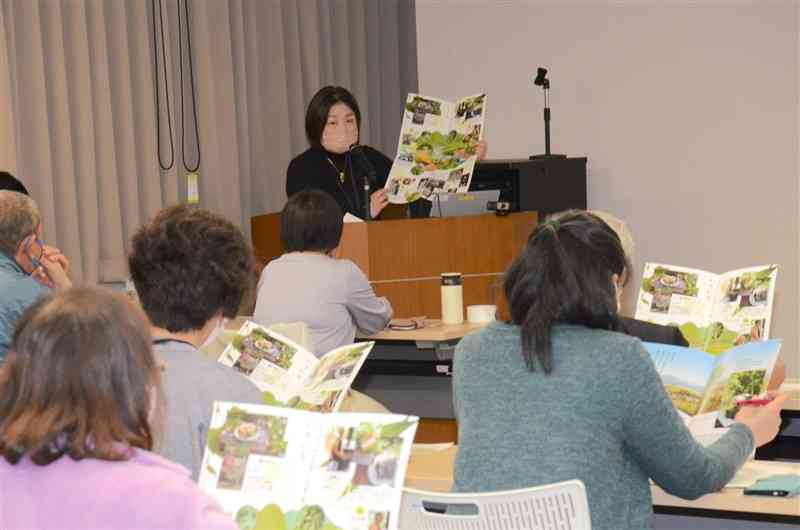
[434, 331]
[433, 471]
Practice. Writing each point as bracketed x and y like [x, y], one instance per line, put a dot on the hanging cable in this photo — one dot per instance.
[191, 87]
[165, 167]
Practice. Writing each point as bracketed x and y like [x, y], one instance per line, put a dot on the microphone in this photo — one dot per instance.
[357, 151]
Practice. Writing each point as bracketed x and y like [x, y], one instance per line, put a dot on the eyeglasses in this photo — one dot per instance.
[35, 261]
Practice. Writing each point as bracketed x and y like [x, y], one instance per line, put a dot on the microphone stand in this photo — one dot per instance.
[547, 154]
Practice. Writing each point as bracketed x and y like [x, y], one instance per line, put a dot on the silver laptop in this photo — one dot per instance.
[461, 204]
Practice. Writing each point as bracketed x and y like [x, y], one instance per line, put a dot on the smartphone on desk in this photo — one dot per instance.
[776, 486]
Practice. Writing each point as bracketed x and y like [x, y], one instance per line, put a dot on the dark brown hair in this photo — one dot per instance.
[188, 265]
[311, 221]
[80, 379]
[319, 107]
[564, 276]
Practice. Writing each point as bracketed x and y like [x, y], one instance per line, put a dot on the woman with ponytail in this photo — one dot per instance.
[552, 391]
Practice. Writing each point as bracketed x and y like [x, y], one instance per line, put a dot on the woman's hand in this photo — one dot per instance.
[482, 149]
[763, 421]
[377, 202]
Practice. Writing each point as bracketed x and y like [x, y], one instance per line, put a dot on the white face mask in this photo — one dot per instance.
[339, 141]
[217, 332]
[341, 129]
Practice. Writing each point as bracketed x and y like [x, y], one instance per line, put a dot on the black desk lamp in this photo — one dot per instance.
[542, 81]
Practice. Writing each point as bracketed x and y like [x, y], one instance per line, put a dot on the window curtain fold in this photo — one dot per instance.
[78, 89]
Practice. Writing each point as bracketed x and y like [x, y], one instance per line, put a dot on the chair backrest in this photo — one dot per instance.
[559, 506]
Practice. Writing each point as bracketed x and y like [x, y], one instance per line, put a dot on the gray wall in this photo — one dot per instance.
[688, 115]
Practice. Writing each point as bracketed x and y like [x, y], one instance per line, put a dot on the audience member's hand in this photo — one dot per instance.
[52, 274]
[763, 421]
[778, 375]
[482, 149]
[56, 255]
[378, 201]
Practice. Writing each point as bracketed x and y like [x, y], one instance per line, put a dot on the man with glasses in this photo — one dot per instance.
[28, 268]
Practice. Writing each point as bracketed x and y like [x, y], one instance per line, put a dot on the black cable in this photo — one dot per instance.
[164, 167]
[439, 204]
[191, 85]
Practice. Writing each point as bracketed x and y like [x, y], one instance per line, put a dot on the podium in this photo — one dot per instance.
[403, 258]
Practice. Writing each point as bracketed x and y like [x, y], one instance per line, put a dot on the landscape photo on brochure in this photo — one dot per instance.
[437, 149]
[288, 374]
[707, 389]
[286, 469]
[714, 312]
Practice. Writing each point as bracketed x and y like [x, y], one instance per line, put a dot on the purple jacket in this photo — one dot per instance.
[143, 493]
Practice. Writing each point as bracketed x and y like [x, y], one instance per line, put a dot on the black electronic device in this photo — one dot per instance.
[546, 185]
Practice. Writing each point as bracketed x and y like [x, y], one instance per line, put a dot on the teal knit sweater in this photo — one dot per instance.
[602, 416]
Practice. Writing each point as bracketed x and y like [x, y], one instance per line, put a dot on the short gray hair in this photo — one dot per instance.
[19, 217]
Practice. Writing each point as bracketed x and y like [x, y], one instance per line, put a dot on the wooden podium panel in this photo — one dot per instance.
[404, 258]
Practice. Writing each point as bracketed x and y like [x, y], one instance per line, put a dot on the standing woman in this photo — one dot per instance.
[556, 393]
[333, 120]
[80, 407]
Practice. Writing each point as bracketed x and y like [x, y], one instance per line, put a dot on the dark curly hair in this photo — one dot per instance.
[189, 264]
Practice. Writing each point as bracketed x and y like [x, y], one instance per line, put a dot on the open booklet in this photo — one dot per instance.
[280, 468]
[291, 376]
[714, 312]
[437, 148]
[706, 388]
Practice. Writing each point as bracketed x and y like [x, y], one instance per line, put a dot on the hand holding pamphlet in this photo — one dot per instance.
[708, 390]
[291, 376]
[280, 468]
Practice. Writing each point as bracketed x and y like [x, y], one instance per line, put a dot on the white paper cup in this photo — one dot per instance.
[480, 314]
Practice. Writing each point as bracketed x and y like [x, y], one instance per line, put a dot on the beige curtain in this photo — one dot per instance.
[78, 91]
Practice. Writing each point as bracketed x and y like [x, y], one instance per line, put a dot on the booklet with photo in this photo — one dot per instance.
[706, 389]
[291, 376]
[715, 312]
[274, 467]
[437, 148]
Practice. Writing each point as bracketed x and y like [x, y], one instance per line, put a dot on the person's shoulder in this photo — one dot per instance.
[608, 349]
[20, 290]
[308, 156]
[191, 366]
[494, 335]
[375, 154]
[168, 490]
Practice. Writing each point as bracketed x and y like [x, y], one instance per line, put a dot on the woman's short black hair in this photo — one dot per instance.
[311, 221]
[564, 275]
[319, 107]
[189, 265]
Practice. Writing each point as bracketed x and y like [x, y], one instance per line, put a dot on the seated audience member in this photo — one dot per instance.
[650, 332]
[308, 284]
[646, 331]
[28, 268]
[80, 410]
[190, 268]
[9, 182]
[564, 396]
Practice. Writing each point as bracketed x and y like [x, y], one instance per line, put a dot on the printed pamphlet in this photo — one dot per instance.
[706, 388]
[291, 376]
[714, 312]
[437, 148]
[274, 467]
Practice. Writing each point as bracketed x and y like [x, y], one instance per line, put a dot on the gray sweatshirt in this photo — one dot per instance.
[601, 416]
[332, 296]
[192, 383]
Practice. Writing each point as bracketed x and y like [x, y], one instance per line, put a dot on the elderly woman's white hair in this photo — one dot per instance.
[618, 226]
